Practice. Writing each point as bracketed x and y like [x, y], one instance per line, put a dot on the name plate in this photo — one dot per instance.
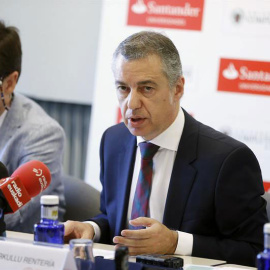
[22, 254]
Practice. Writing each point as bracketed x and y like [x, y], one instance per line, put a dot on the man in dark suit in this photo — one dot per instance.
[206, 187]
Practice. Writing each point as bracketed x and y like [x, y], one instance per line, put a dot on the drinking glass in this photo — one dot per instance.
[83, 253]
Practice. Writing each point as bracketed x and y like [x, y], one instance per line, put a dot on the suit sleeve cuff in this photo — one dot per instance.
[184, 244]
[96, 230]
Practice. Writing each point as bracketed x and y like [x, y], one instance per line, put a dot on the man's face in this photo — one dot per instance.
[147, 103]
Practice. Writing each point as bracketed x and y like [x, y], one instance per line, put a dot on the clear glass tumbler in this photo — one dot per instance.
[83, 253]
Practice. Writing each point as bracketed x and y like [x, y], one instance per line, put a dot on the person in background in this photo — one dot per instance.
[26, 133]
[205, 196]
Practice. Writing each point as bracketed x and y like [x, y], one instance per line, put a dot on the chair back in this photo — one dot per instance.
[82, 200]
[266, 196]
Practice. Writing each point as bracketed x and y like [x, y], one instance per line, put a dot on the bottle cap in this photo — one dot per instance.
[266, 228]
[49, 200]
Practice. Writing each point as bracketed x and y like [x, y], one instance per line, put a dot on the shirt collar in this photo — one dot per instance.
[169, 138]
[2, 117]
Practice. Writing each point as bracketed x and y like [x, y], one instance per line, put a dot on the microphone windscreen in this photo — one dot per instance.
[34, 175]
[3, 171]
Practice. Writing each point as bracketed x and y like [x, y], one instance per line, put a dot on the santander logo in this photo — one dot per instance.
[256, 75]
[244, 73]
[154, 8]
[166, 13]
[230, 72]
[139, 7]
[244, 76]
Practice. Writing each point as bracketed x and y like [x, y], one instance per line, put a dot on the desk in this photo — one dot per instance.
[187, 259]
[19, 235]
[235, 266]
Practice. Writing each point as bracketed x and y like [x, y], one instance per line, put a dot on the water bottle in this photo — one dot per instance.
[263, 258]
[49, 229]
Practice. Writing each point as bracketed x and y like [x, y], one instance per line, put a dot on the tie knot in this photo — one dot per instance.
[148, 150]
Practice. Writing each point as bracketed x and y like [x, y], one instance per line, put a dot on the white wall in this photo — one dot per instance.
[59, 42]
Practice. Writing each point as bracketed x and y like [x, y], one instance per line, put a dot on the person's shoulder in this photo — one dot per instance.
[117, 129]
[30, 107]
[33, 113]
[211, 136]
[33, 121]
[117, 133]
[220, 137]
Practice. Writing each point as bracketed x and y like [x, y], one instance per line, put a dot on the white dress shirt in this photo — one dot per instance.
[163, 162]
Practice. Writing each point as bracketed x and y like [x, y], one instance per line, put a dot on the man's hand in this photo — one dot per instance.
[156, 238]
[76, 229]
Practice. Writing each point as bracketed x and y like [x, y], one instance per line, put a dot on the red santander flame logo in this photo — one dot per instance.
[244, 76]
[177, 14]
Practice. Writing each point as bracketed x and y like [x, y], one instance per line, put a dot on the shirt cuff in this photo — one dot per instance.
[96, 230]
[184, 244]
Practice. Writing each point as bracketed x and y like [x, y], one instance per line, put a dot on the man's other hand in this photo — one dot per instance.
[156, 238]
[76, 229]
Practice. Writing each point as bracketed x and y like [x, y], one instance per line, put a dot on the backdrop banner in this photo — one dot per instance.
[224, 48]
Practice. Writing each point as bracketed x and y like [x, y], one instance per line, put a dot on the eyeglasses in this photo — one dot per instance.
[2, 94]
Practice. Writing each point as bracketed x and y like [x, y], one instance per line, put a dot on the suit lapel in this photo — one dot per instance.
[125, 163]
[183, 175]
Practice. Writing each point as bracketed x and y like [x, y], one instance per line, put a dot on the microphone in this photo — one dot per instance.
[26, 182]
[3, 171]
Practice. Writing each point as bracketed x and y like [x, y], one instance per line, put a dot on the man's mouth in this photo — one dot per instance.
[136, 121]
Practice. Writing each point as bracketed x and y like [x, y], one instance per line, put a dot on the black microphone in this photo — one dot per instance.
[3, 171]
[3, 174]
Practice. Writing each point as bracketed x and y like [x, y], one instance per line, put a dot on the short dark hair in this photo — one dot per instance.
[145, 43]
[10, 50]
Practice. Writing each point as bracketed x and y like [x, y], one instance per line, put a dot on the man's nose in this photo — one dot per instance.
[134, 101]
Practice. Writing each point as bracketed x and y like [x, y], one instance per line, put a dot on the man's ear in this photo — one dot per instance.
[10, 82]
[179, 88]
